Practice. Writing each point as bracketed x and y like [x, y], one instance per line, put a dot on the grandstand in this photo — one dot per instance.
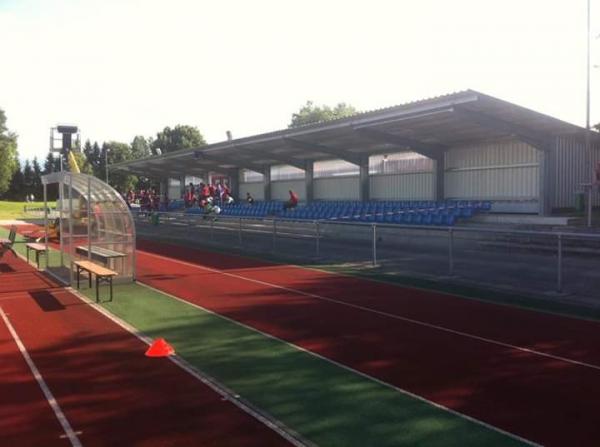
[465, 147]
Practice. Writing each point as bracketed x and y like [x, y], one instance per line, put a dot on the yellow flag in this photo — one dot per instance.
[73, 163]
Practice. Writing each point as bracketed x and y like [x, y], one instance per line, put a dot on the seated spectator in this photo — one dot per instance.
[249, 199]
[227, 199]
[292, 203]
[211, 210]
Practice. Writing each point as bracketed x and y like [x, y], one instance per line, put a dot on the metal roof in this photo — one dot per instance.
[429, 127]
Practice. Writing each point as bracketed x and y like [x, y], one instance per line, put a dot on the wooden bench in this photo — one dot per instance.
[102, 274]
[100, 254]
[38, 248]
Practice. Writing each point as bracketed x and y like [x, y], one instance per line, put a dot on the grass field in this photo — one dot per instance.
[16, 210]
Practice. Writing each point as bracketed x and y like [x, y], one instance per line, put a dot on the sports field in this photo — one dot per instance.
[292, 356]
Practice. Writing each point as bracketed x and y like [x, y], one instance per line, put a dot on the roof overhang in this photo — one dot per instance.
[429, 127]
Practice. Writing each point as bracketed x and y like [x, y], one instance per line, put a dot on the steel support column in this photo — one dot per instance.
[440, 193]
[164, 187]
[308, 178]
[234, 183]
[364, 186]
[182, 186]
[267, 183]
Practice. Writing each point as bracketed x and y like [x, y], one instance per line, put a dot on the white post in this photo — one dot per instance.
[46, 222]
[89, 218]
[374, 245]
[559, 266]
[588, 146]
[61, 197]
[71, 228]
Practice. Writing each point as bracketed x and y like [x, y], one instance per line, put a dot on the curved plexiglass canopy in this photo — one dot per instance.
[93, 223]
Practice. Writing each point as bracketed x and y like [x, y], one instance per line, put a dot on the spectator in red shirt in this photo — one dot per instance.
[292, 203]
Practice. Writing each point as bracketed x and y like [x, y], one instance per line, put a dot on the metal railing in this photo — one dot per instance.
[260, 234]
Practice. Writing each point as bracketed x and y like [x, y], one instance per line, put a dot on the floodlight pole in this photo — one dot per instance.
[588, 146]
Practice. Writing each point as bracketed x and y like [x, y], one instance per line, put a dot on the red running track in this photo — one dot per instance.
[476, 371]
[108, 390]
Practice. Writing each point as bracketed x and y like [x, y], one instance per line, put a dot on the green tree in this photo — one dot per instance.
[140, 147]
[28, 178]
[117, 153]
[84, 165]
[9, 162]
[178, 138]
[310, 113]
[16, 190]
[37, 179]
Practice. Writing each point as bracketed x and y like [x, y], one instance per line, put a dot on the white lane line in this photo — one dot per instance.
[348, 368]
[226, 394]
[383, 314]
[64, 422]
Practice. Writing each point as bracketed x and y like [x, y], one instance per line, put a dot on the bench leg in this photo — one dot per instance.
[37, 259]
[90, 280]
[27, 255]
[97, 288]
[78, 274]
[111, 291]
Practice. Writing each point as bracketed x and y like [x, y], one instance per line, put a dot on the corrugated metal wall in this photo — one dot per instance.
[500, 170]
[280, 189]
[572, 169]
[407, 186]
[336, 188]
[256, 190]
[174, 190]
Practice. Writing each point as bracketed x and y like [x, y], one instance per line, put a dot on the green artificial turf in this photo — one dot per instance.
[16, 210]
[325, 403]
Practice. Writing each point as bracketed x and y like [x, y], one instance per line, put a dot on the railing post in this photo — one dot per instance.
[450, 252]
[240, 232]
[318, 238]
[559, 265]
[274, 234]
[374, 245]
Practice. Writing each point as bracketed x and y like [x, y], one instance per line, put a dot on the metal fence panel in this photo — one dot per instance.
[524, 261]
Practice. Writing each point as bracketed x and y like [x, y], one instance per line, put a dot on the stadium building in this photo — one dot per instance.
[461, 146]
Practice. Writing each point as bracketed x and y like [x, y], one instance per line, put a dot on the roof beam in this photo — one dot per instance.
[317, 147]
[429, 150]
[202, 155]
[541, 142]
[280, 158]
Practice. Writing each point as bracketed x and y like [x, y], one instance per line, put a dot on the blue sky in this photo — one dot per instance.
[122, 68]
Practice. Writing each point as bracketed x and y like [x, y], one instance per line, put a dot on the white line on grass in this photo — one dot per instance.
[285, 432]
[384, 314]
[346, 367]
[64, 422]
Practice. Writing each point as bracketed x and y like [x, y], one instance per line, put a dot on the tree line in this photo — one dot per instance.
[20, 180]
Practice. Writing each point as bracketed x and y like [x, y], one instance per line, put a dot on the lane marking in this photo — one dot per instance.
[62, 419]
[346, 367]
[290, 435]
[383, 314]
[285, 432]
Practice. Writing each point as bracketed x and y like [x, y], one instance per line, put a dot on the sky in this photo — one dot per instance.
[120, 68]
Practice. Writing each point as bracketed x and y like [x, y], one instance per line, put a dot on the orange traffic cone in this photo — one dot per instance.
[160, 348]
